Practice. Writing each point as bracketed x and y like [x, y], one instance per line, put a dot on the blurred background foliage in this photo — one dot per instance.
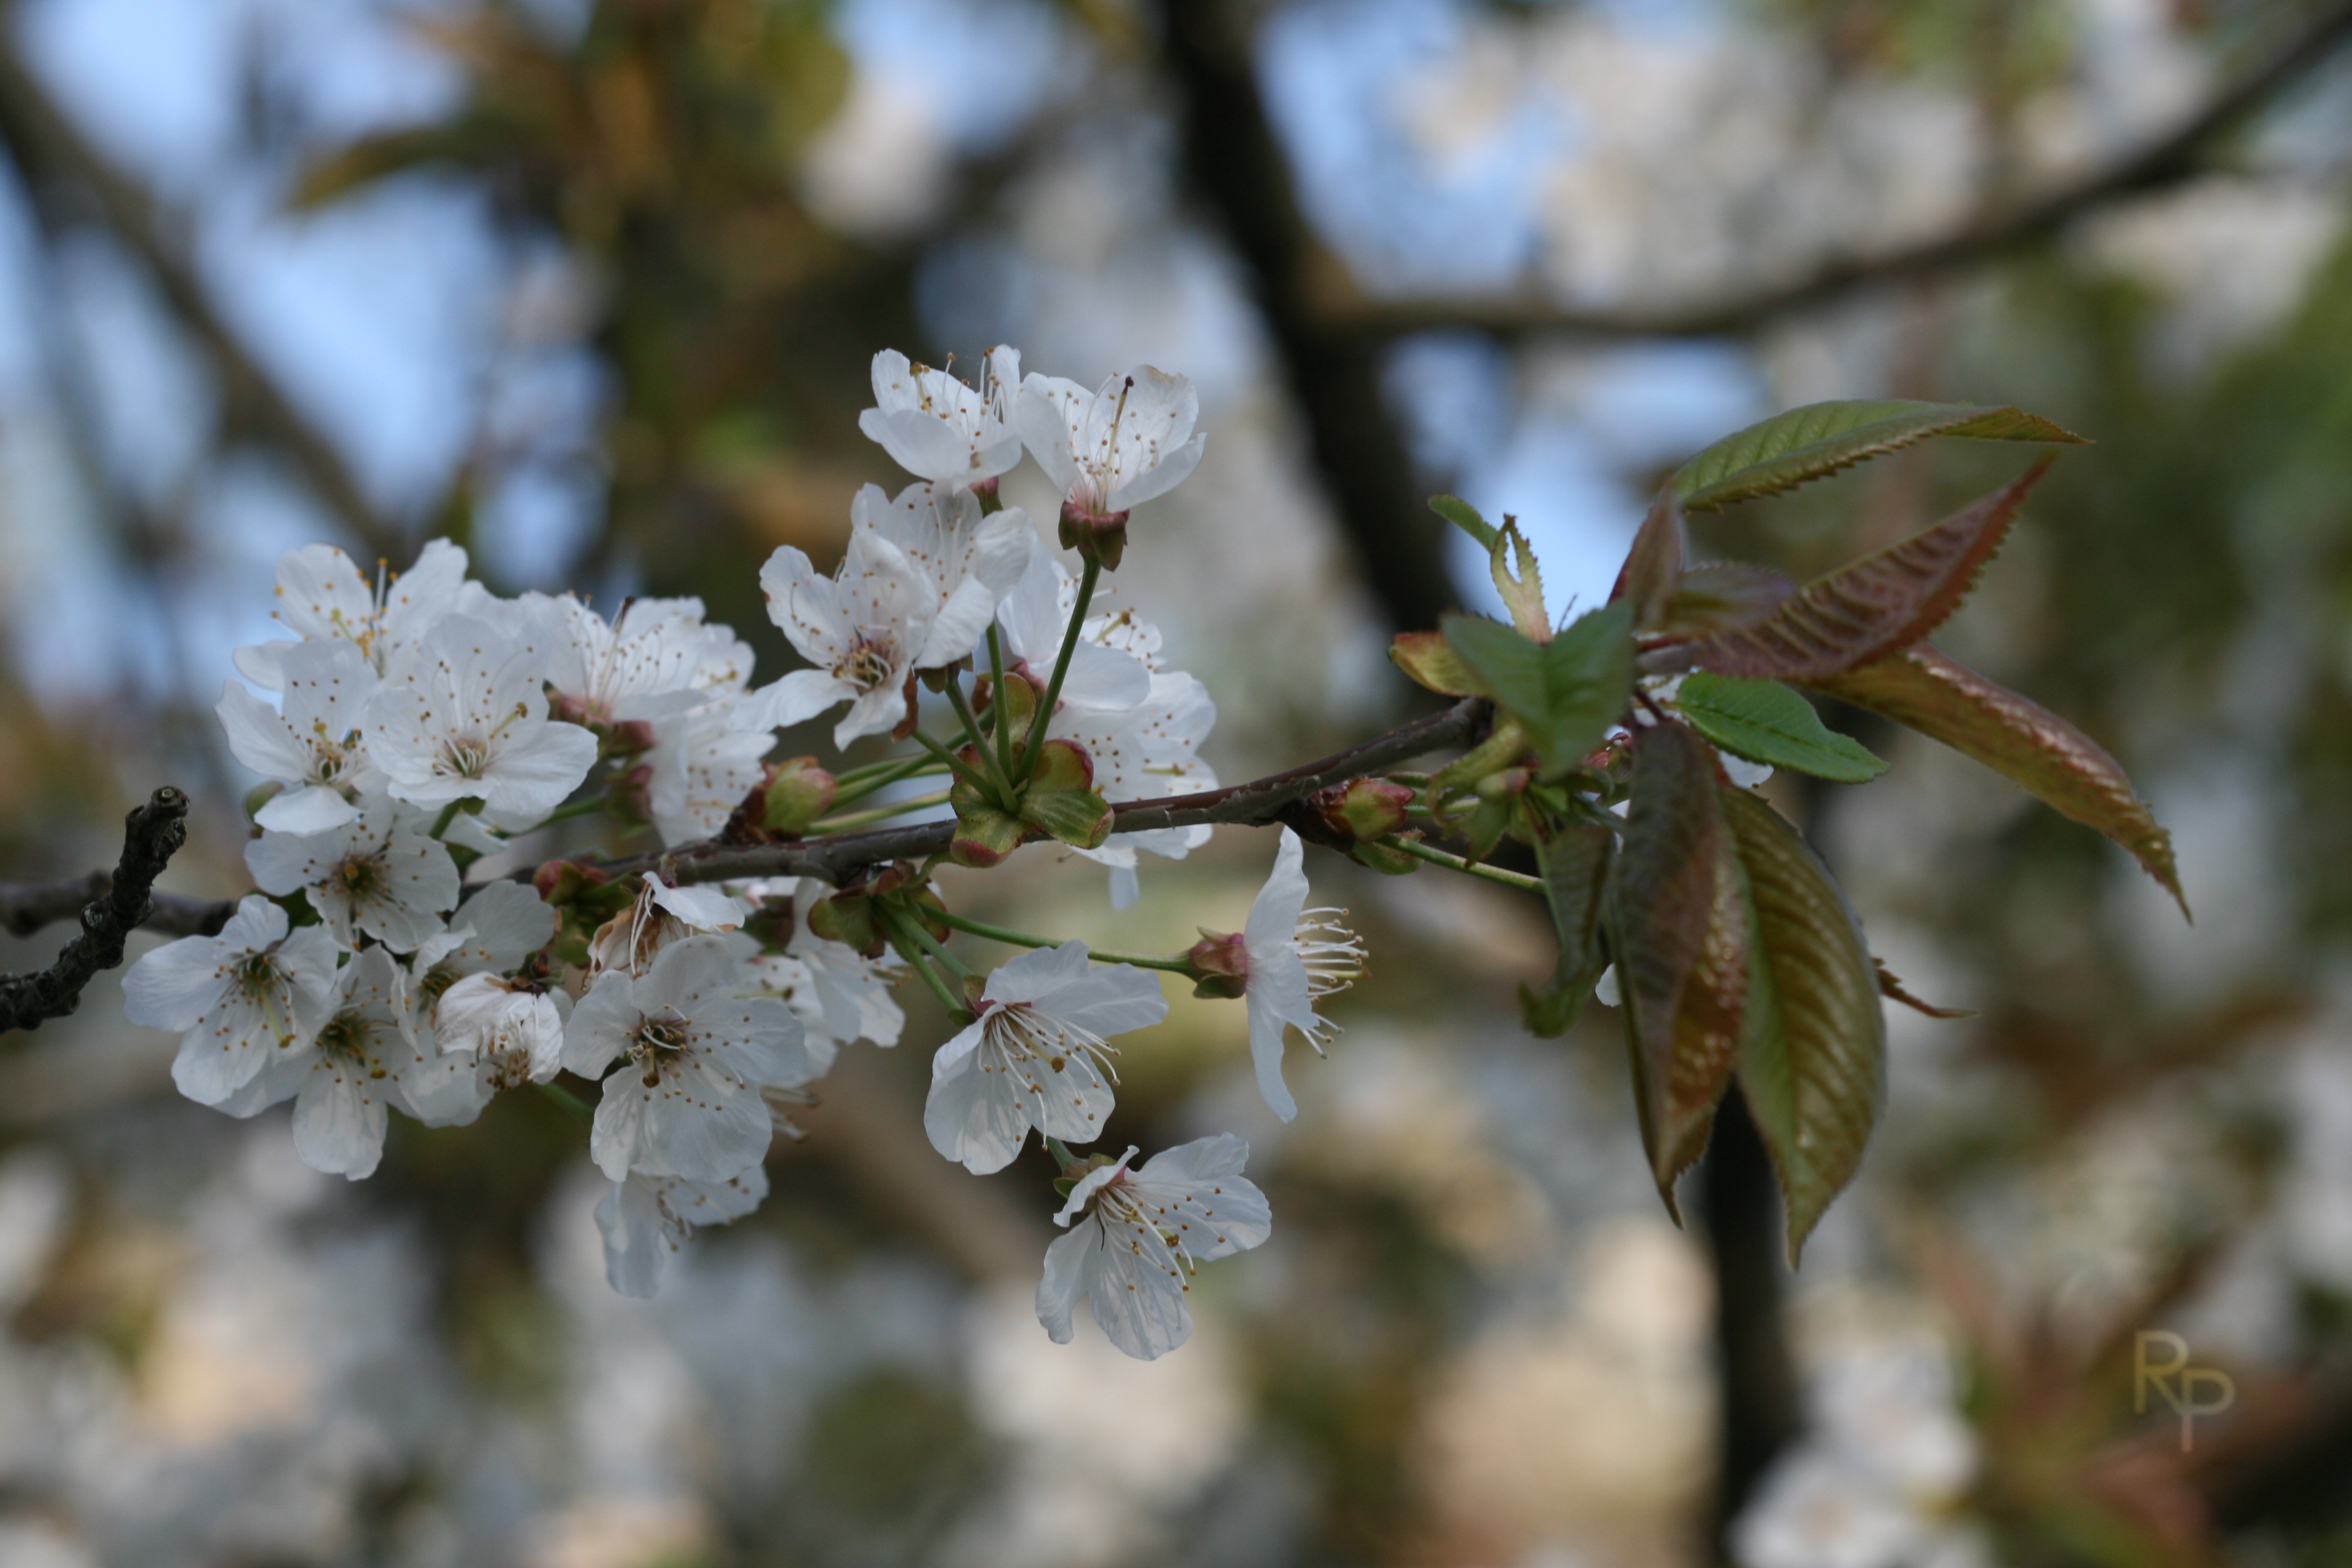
[592, 285]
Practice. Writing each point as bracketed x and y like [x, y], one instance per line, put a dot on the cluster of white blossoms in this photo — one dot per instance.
[415, 723]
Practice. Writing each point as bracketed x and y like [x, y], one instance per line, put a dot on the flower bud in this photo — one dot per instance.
[794, 794]
[1362, 809]
[1220, 965]
[561, 882]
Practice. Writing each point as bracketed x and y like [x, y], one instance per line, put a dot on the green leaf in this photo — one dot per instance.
[1464, 516]
[1564, 693]
[1819, 439]
[1765, 721]
[1574, 864]
[1881, 603]
[1943, 698]
[1677, 923]
[1813, 1063]
[1430, 662]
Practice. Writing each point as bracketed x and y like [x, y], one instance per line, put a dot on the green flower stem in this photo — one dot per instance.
[996, 687]
[961, 769]
[940, 954]
[920, 964]
[569, 1101]
[1088, 576]
[586, 805]
[878, 814]
[448, 814]
[1420, 851]
[1176, 963]
[1002, 780]
[859, 782]
[1061, 1152]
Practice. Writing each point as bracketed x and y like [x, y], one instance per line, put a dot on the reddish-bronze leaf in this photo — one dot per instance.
[1813, 1062]
[1666, 889]
[2058, 765]
[1710, 1020]
[1654, 566]
[1880, 603]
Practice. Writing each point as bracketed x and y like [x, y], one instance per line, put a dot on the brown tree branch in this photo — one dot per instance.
[152, 834]
[25, 907]
[52, 154]
[2172, 158]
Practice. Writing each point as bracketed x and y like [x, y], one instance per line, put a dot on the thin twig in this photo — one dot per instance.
[2170, 159]
[152, 834]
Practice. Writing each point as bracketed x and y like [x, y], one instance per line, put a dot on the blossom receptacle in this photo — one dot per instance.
[1100, 537]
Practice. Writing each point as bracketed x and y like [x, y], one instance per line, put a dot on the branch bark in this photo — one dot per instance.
[1235, 165]
[25, 907]
[52, 154]
[2170, 159]
[152, 834]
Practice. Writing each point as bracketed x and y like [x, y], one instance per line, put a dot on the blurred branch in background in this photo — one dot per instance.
[2173, 159]
[58, 162]
[1241, 175]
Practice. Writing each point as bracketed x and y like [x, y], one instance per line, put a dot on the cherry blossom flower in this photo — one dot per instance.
[382, 875]
[364, 1060]
[312, 742]
[862, 630]
[693, 1053]
[238, 999]
[1128, 441]
[655, 659]
[935, 426]
[646, 1219]
[471, 722]
[322, 597]
[1144, 1232]
[658, 916]
[1152, 749]
[838, 994]
[1038, 1056]
[700, 768]
[1031, 622]
[1282, 961]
